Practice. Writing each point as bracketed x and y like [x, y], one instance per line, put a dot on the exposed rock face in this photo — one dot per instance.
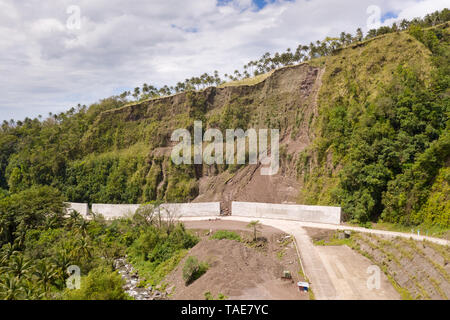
[295, 90]
[286, 100]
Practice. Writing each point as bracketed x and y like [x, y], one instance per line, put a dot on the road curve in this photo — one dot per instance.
[316, 268]
[296, 224]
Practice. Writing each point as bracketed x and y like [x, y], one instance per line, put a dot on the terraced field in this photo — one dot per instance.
[418, 269]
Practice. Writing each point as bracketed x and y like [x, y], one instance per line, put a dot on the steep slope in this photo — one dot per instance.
[277, 102]
[343, 111]
[364, 128]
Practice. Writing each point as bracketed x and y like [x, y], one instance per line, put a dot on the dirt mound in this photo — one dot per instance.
[239, 271]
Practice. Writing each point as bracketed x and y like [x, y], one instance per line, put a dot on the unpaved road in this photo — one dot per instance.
[334, 272]
[347, 271]
[299, 224]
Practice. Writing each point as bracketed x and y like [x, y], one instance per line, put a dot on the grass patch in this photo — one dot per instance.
[280, 254]
[209, 296]
[436, 285]
[437, 266]
[334, 241]
[224, 234]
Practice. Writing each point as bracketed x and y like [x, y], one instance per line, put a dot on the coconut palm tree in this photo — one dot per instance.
[7, 251]
[84, 247]
[62, 262]
[46, 274]
[20, 267]
[11, 288]
[255, 225]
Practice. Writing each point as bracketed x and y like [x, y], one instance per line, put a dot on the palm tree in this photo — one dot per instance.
[7, 251]
[359, 35]
[46, 274]
[81, 226]
[62, 262]
[20, 267]
[84, 247]
[29, 291]
[11, 288]
[137, 92]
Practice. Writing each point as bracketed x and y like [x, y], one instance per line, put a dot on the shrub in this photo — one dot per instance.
[193, 269]
[32, 208]
[210, 296]
[224, 234]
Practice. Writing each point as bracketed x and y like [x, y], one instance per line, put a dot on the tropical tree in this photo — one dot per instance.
[46, 274]
[255, 226]
[20, 266]
[11, 288]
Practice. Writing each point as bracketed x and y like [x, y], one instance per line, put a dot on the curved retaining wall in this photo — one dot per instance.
[111, 211]
[303, 213]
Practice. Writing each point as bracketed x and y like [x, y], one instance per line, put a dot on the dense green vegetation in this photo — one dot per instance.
[381, 151]
[158, 250]
[389, 141]
[99, 284]
[382, 120]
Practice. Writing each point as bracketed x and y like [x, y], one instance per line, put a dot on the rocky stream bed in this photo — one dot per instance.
[132, 280]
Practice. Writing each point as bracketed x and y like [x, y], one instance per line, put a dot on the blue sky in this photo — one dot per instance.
[48, 67]
[388, 15]
[259, 4]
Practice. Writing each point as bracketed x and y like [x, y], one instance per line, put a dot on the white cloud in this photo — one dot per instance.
[122, 44]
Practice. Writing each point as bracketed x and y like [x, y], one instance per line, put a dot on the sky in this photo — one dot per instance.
[55, 54]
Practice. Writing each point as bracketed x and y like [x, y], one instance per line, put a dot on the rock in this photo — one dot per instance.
[157, 296]
[170, 289]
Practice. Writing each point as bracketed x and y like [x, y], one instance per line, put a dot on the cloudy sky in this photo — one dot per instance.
[50, 60]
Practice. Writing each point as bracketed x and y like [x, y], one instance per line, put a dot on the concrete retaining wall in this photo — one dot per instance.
[198, 209]
[111, 211]
[81, 208]
[303, 213]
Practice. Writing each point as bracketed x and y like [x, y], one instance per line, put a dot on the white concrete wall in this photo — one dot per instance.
[111, 211]
[303, 213]
[81, 208]
[194, 209]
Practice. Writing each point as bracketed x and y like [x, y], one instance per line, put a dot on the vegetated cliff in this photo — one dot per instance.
[285, 101]
[365, 128]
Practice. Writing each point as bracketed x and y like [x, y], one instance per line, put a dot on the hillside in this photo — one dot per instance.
[365, 128]
[417, 269]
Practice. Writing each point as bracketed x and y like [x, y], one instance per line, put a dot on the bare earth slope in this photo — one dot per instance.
[237, 270]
